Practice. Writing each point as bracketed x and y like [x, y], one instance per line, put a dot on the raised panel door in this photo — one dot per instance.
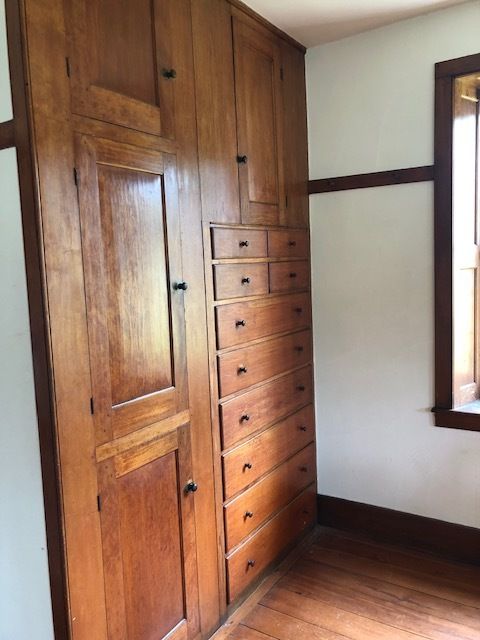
[259, 124]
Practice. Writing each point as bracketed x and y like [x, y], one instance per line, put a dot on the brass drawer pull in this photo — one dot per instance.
[241, 370]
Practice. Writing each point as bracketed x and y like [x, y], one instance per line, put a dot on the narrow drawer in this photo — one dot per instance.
[254, 458]
[265, 405]
[242, 368]
[255, 505]
[248, 561]
[243, 321]
[239, 243]
[238, 280]
[289, 276]
[288, 243]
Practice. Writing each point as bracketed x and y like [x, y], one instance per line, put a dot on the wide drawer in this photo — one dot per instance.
[239, 243]
[288, 243]
[242, 368]
[238, 280]
[248, 561]
[257, 456]
[265, 405]
[255, 505]
[289, 276]
[244, 321]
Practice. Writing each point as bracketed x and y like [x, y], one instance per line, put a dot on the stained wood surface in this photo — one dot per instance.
[289, 276]
[346, 587]
[7, 134]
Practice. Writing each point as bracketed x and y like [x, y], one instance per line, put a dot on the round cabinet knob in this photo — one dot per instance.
[251, 563]
[299, 348]
[248, 514]
[247, 465]
[246, 280]
[302, 428]
[245, 418]
[242, 159]
[244, 243]
[298, 310]
[292, 274]
[241, 323]
[170, 74]
[301, 387]
[241, 370]
[191, 487]
[304, 469]
[292, 243]
[182, 286]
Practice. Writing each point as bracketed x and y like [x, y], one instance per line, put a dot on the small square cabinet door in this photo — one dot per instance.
[124, 60]
[259, 124]
[133, 281]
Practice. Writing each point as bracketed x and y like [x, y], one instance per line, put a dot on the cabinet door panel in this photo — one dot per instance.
[259, 124]
[149, 543]
[119, 53]
[131, 247]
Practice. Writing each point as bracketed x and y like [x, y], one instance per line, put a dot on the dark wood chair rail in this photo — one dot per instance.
[378, 179]
[7, 134]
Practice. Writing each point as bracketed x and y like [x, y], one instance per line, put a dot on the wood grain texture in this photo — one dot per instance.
[289, 276]
[376, 179]
[239, 280]
[7, 134]
[238, 243]
[288, 243]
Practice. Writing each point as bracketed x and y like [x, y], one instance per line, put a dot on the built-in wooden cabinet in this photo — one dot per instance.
[169, 143]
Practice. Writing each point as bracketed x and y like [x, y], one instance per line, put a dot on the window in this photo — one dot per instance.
[457, 244]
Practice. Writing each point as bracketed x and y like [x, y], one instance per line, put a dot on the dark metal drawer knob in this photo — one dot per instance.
[246, 280]
[241, 370]
[301, 387]
[292, 274]
[247, 465]
[251, 563]
[302, 428]
[299, 348]
[304, 469]
[292, 243]
[170, 74]
[242, 159]
[240, 323]
[298, 310]
[244, 243]
[245, 418]
[191, 486]
[248, 514]
[183, 286]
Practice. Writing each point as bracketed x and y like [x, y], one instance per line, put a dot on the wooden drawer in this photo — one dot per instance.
[255, 505]
[254, 458]
[238, 280]
[242, 368]
[289, 276]
[288, 243]
[239, 243]
[248, 561]
[265, 405]
[244, 321]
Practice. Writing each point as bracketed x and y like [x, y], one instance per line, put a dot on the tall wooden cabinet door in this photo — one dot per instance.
[148, 541]
[123, 61]
[134, 285]
[259, 123]
[295, 137]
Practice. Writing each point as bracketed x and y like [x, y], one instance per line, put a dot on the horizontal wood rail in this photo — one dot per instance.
[7, 135]
[366, 180]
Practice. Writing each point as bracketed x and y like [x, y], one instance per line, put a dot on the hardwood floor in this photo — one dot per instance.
[343, 586]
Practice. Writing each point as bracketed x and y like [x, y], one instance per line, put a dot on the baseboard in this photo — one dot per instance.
[452, 541]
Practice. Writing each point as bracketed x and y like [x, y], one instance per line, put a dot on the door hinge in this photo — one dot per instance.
[281, 73]
[67, 65]
[99, 502]
[92, 409]
[75, 176]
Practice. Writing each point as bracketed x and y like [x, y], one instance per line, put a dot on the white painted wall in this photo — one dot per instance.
[25, 608]
[370, 101]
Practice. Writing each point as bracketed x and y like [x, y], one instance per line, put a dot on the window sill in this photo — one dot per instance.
[466, 417]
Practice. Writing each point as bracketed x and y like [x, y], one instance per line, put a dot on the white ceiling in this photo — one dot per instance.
[313, 22]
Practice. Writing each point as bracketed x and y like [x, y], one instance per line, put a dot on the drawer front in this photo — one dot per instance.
[288, 243]
[238, 243]
[244, 321]
[265, 405]
[238, 280]
[254, 458]
[255, 505]
[242, 368]
[248, 561]
[289, 276]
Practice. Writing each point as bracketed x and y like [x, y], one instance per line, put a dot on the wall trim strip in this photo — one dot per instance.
[7, 134]
[366, 180]
[452, 541]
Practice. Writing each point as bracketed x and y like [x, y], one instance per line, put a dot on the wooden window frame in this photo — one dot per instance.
[445, 413]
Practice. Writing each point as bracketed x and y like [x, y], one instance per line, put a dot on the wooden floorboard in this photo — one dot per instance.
[346, 587]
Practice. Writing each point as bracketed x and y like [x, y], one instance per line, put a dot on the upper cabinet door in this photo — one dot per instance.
[133, 274]
[123, 61]
[259, 123]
